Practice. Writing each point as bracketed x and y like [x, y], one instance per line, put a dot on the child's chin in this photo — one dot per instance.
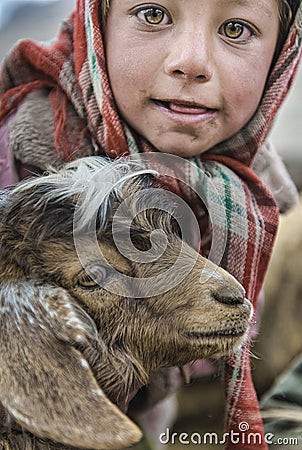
[182, 146]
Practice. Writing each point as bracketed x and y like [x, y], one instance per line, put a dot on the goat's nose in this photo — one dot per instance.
[230, 296]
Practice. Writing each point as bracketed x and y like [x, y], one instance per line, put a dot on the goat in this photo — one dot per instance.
[283, 287]
[81, 330]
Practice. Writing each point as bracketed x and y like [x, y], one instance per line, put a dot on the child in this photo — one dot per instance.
[196, 78]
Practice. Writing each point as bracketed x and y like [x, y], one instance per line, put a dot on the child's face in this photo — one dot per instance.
[188, 74]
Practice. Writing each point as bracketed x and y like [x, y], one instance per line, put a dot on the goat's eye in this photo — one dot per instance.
[92, 277]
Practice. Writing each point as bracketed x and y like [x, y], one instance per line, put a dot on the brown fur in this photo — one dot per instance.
[72, 357]
[279, 340]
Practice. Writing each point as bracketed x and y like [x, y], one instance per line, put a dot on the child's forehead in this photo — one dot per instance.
[265, 5]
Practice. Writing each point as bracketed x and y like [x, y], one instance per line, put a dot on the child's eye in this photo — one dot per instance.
[236, 30]
[153, 15]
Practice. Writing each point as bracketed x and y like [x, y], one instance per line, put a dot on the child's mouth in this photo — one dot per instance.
[184, 107]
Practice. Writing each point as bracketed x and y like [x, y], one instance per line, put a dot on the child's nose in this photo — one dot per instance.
[189, 57]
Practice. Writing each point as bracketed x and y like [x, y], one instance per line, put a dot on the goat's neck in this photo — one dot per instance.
[119, 376]
[9, 272]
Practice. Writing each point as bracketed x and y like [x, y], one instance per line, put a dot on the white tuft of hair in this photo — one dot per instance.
[91, 179]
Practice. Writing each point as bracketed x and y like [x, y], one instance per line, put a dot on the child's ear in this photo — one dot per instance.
[46, 384]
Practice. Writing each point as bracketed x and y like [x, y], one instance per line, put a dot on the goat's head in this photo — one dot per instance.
[81, 325]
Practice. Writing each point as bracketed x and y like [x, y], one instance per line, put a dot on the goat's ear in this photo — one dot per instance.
[4, 200]
[46, 384]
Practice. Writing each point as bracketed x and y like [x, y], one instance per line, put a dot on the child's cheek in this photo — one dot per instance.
[248, 87]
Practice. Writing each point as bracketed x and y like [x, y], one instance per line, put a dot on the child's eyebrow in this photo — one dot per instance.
[260, 5]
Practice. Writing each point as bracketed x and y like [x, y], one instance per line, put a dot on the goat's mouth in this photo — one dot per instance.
[217, 334]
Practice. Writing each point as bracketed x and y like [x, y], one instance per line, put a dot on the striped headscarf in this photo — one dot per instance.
[74, 69]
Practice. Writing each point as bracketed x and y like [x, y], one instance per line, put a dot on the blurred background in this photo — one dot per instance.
[280, 338]
[34, 19]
